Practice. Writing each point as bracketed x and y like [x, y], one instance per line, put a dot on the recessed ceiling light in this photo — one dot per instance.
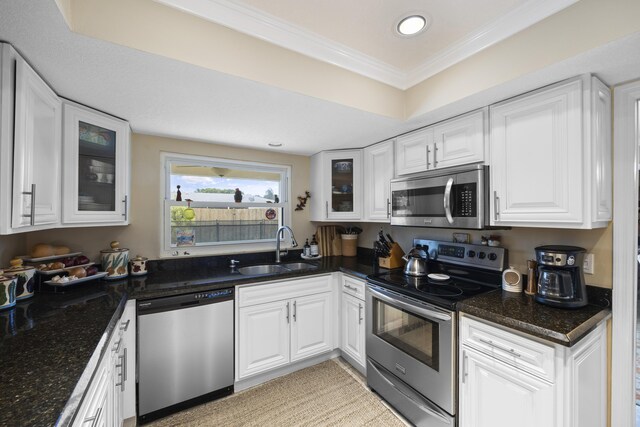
[274, 144]
[412, 25]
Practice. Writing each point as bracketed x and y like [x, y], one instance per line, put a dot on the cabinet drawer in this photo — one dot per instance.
[261, 293]
[514, 349]
[352, 286]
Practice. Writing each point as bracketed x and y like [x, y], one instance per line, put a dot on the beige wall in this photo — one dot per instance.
[142, 235]
[577, 29]
[11, 246]
[519, 241]
[155, 28]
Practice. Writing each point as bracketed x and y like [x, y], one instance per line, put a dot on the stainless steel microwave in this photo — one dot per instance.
[448, 198]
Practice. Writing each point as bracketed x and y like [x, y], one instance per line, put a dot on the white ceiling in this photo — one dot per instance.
[161, 96]
[360, 35]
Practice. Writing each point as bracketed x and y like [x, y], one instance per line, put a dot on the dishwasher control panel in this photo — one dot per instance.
[214, 294]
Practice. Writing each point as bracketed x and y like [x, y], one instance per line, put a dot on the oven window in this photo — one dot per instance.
[406, 331]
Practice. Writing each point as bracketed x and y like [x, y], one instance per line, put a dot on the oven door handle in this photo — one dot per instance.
[447, 200]
[420, 405]
[433, 315]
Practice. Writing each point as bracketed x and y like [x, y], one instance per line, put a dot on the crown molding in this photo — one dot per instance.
[259, 24]
[507, 25]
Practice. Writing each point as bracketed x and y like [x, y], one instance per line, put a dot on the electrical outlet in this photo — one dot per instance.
[589, 264]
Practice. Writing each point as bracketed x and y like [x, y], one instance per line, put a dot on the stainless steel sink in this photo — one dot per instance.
[297, 266]
[260, 270]
[265, 269]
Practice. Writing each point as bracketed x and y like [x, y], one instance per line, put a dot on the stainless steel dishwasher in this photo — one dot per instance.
[185, 351]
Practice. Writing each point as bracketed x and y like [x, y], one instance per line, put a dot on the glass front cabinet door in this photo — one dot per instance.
[344, 187]
[96, 175]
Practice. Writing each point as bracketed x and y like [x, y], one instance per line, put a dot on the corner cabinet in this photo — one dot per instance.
[453, 142]
[30, 141]
[96, 176]
[510, 378]
[378, 172]
[551, 157]
[336, 179]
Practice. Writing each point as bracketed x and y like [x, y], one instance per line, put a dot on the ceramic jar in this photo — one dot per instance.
[115, 261]
[139, 265]
[25, 278]
[7, 291]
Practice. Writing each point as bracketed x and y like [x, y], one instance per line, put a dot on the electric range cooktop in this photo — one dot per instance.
[470, 270]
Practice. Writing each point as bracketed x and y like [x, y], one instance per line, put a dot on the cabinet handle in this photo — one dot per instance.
[288, 313]
[499, 347]
[32, 211]
[94, 419]
[126, 366]
[496, 205]
[428, 151]
[120, 374]
[295, 310]
[388, 208]
[125, 325]
[326, 209]
[351, 288]
[464, 367]
[435, 156]
[126, 205]
[116, 346]
[360, 313]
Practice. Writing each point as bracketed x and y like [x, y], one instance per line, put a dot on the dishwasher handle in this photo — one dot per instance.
[159, 305]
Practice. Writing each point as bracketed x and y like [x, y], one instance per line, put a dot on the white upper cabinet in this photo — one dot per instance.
[551, 157]
[459, 141]
[336, 180]
[31, 148]
[378, 172]
[95, 167]
[454, 142]
[414, 152]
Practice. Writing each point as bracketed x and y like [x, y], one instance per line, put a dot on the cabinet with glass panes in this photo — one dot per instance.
[96, 172]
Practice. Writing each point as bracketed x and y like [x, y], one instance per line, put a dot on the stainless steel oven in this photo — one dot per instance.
[411, 350]
[448, 198]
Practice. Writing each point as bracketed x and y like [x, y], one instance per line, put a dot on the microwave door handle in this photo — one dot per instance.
[447, 200]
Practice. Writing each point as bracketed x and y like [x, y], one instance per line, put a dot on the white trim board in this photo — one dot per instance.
[257, 23]
[625, 245]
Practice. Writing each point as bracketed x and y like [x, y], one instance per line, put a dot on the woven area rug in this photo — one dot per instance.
[327, 394]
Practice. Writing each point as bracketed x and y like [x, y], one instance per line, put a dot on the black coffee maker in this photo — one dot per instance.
[560, 278]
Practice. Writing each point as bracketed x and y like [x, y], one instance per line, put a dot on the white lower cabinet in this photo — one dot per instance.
[264, 337]
[352, 326]
[502, 395]
[281, 323]
[110, 396]
[509, 378]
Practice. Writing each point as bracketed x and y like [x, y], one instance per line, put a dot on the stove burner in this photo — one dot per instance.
[441, 290]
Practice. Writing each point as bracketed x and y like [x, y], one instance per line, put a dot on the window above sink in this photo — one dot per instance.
[221, 205]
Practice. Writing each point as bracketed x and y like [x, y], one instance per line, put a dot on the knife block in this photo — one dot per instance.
[394, 260]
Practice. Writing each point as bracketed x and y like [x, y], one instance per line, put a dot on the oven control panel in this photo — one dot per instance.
[490, 257]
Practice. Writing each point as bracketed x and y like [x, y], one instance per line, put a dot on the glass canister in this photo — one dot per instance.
[7, 291]
[115, 261]
[24, 274]
[139, 265]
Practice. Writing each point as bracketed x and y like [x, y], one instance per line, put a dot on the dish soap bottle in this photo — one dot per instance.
[306, 249]
[314, 246]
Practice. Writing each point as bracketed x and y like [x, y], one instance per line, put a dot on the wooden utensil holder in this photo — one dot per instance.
[394, 260]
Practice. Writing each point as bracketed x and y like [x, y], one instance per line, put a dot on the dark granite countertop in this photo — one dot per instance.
[45, 346]
[522, 313]
[47, 342]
